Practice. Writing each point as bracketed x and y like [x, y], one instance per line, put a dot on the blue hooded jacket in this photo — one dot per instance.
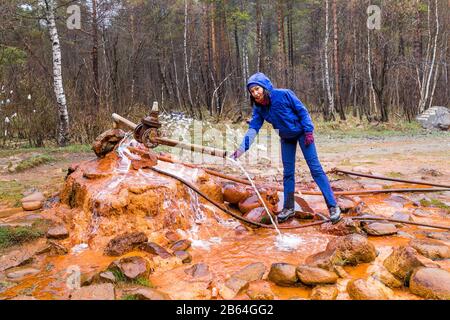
[286, 112]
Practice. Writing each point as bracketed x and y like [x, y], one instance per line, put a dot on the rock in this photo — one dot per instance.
[340, 271]
[32, 205]
[198, 270]
[361, 289]
[432, 249]
[57, 232]
[431, 283]
[380, 229]
[94, 292]
[172, 236]
[252, 272]
[345, 203]
[348, 250]
[283, 274]
[124, 243]
[148, 294]
[106, 141]
[344, 227]
[94, 277]
[132, 267]
[324, 293]
[20, 256]
[18, 274]
[402, 216]
[405, 235]
[53, 248]
[258, 215]
[236, 284]
[436, 117]
[155, 249]
[234, 193]
[388, 279]
[444, 236]
[402, 261]
[183, 255]
[260, 290]
[421, 213]
[314, 276]
[23, 297]
[181, 245]
[34, 197]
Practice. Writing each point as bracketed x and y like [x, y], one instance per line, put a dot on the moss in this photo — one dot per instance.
[435, 203]
[394, 174]
[11, 192]
[10, 236]
[121, 278]
[129, 297]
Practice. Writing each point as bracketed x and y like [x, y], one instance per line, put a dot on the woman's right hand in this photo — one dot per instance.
[237, 153]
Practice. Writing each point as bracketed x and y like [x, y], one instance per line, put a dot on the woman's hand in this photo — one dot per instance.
[309, 138]
[236, 154]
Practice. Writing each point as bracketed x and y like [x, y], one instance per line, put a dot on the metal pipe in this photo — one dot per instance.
[336, 170]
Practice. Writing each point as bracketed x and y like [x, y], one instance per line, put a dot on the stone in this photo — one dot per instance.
[234, 193]
[345, 203]
[104, 291]
[148, 294]
[236, 284]
[21, 273]
[183, 255]
[132, 267]
[124, 243]
[198, 270]
[155, 249]
[444, 236]
[436, 117]
[106, 141]
[402, 262]
[32, 205]
[432, 249]
[20, 256]
[324, 292]
[172, 236]
[181, 245]
[314, 276]
[258, 215]
[34, 197]
[388, 279]
[380, 229]
[361, 289]
[430, 283]
[53, 248]
[260, 290]
[403, 217]
[348, 250]
[344, 227]
[283, 274]
[421, 213]
[252, 272]
[58, 232]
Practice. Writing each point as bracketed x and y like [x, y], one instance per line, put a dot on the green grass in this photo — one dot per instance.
[10, 236]
[11, 192]
[32, 162]
[129, 297]
[121, 278]
[435, 203]
[73, 148]
[394, 174]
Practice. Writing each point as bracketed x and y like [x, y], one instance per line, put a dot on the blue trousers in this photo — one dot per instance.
[288, 150]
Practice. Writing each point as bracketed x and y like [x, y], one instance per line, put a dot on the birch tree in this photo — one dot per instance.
[330, 108]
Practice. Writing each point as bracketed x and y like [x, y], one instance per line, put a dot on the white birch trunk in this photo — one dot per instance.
[186, 65]
[369, 65]
[327, 73]
[63, 116]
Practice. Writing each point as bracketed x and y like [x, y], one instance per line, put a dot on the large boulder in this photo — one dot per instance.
[315, 276]
[344, 227]
[435, 118]
[125, 243]
[324, 292]
[34, 201]
[433, 249]
[431, 283]
[371, 289]
[348, 250]
[283, 274]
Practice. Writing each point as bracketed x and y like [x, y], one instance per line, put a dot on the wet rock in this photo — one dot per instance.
[209, 187]
[58, 232]
[234, 193]
[270, 197]
[94, 292]
[198, 270]
[340, 271]
[53, 248]
[20, 256]
[147, 160]
[431, 283]
[304, 215]
[314, 276]
[234, 286]
[132, 267]
[380, 229]
[421, 213]
[403, 217]
[21, 273]
[260, 290]
[148, 294]
[444, 236]
[324, 292]
[402, 262]
[106, 141]
[184, 256]
[34, 201]
[92, 174]
[348, 250]
[172, 236]
[344, 227]
[107, 276]
[345, 203]
[258, 215]
[397, 201]
[155, 249]
[252, 272]
[94, 277]
[388, 279]
[181, 245]
[124, 243]
[405, 235]
[432, 249]
[283, 274]
[361, 289]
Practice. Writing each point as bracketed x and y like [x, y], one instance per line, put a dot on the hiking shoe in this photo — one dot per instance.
[285, 214]
[335, 214]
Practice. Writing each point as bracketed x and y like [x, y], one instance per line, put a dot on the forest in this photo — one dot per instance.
[65, 66]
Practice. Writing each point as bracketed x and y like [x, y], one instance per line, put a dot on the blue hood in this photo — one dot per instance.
[261, 80]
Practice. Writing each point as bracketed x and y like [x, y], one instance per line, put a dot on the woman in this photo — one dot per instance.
[288, 115]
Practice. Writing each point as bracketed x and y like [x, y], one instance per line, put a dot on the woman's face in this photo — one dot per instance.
[257, 93]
